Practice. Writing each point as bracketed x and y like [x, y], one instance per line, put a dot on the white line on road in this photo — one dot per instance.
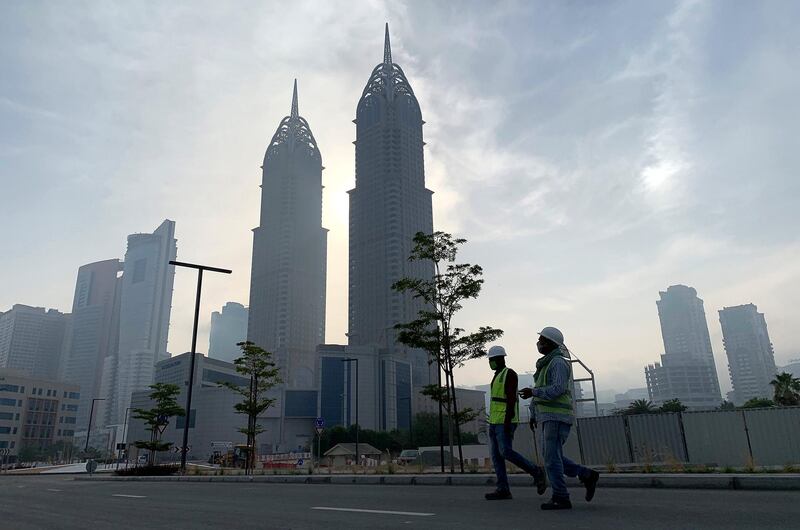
[52, 489]
[129, 496]
[385, 512]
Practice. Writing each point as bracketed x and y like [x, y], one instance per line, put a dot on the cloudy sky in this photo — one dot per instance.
[593, 153]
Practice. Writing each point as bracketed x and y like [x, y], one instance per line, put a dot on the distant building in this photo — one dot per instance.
[95, 330]
[622, 401]
[687, 370]
[465, 398]
[33, 340]
[288, 424]
[793, 368]
[751, 360]
[388, 206]
[384, 388]
[145, 304]
[228, 328]
[35, 412]
[287, 282]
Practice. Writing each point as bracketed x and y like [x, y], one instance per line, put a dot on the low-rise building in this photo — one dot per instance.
[35, 413]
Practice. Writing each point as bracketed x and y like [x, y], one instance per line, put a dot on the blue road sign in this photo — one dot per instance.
[319, 423]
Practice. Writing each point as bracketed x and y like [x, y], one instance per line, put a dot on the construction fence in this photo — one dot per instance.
[735, 438]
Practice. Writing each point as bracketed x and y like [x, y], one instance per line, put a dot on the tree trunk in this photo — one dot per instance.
[441, 417]
[449, 421]
[455, 420]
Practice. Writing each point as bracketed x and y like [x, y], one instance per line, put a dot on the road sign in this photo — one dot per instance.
[5, 452]
[299, 462]
[319, 423]
[121, 446]
[222, 445]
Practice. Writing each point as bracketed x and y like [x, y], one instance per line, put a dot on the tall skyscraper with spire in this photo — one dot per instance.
[388, 205]
[287, 283]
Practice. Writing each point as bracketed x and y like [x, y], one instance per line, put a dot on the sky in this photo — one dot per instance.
[592, 153]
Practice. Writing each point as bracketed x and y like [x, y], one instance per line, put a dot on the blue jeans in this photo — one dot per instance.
[500, 445]
[554, 435]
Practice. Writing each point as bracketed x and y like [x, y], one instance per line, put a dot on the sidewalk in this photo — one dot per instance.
[710, 481]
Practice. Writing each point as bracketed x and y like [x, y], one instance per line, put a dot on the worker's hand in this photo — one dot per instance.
[526, 393]
[532, 424]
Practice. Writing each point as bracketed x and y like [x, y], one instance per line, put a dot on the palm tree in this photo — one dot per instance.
[641, 406]
[787, 389]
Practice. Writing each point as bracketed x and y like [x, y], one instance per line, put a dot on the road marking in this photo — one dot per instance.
[384, 512]
[129, 496]
[52, 489]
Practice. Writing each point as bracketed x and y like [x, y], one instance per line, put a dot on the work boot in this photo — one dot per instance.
[540, 480]
[590, 483]
[498, 496]
[557, 504]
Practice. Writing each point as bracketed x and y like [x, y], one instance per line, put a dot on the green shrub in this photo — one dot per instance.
[148, 471]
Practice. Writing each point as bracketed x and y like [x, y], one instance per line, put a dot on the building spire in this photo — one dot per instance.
[387, 48]
[295, 113]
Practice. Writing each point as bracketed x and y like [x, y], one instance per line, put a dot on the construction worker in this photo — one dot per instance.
[503, 417]
[552, 407]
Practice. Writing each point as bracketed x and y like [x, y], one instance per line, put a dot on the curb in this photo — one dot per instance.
[701, 482]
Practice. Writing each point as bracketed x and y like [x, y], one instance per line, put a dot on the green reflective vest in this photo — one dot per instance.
[560, 405]
[498, 404]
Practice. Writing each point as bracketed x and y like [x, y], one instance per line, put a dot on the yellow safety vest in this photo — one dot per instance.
[498, 403]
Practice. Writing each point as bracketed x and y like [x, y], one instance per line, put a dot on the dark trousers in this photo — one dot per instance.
[501, 446]
[554, 435]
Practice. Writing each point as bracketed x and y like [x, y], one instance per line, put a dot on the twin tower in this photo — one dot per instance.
[388, 205]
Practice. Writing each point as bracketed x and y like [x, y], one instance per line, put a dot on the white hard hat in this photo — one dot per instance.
[496, 351]
[553, 334]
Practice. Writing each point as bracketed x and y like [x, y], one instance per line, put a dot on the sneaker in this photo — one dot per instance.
[590, 483]
[540, 481]
[557, 504]
[498, 496]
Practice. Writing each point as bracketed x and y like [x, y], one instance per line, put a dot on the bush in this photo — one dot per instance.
[149, 471]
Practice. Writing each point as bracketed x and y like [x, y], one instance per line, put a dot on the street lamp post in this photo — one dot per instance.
[124, 437]
[350, 360]
[200, 269]
[89, 428]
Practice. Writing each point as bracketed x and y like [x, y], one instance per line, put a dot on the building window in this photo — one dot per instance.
[8, 402]
[10, 388]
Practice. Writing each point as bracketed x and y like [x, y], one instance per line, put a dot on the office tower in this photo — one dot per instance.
[687, 370]
[388, 206]
[145, 303]
[33, 340]
[751, 361]
[228, 328]
[95, 330]
[287, 284]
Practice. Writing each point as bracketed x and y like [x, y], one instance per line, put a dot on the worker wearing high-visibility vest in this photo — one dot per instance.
[552, 407]
[503, 418]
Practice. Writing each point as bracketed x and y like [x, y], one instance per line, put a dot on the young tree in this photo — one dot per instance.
[787, 389]
[673, 405]
[443, 295]
[255, 364]
[156, 419]
[726, 405]
[641, 406]
[758, 403]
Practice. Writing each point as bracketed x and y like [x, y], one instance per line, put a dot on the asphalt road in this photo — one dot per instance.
[55, 502]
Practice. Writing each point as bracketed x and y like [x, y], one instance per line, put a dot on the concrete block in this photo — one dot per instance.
[398, 480]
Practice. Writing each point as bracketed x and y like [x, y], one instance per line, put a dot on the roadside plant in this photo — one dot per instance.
[434, 331]
[157, 418]
[787, 389]
[257, 366]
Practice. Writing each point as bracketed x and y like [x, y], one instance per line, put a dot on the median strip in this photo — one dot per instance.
[360, 510]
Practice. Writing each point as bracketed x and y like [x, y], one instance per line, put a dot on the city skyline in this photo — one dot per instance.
[495, 151]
